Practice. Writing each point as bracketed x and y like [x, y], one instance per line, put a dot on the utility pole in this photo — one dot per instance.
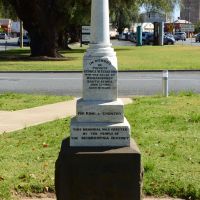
[21, 34]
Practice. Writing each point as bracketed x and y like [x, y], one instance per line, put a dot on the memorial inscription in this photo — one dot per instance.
[99, 75]
[104, 134]
[100, 111]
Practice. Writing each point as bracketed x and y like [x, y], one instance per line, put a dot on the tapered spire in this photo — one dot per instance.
[100, 22]
[100, 30]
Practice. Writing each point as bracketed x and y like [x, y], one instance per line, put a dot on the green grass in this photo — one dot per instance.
[166, 130]
[18, 59]
[14, 101]
[168, 133]
[27, 159]
[129, 58]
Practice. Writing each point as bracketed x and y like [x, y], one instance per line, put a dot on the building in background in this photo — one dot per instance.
[190, 10]
[5, 25]
[180, 25]
[154, 16]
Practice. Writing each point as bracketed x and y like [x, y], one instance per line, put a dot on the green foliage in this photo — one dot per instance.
[197, 27]
[7, 10]
[161, 5]
[123, 13]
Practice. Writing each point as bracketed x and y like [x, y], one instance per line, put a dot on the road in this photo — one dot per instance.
[8, 44]
[12, 43]
[129, 83]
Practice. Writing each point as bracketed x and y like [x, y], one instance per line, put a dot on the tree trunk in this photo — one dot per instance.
[43, 20]
[44, 44]
[74, 34]
[63, 38]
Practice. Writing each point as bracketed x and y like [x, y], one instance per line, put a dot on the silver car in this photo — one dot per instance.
[180, 36]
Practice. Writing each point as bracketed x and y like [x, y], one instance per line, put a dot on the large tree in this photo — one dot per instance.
[123, 13]
[7, 10]
[43, 19]
[161, 5]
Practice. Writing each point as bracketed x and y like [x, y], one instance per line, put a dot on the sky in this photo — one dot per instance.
[176, 12]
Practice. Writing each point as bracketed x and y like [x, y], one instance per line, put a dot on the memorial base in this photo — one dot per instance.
[98, 173]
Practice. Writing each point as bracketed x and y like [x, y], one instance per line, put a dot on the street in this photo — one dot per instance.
[140, 83]
[8, 44]
[129, 83]
[12, 43]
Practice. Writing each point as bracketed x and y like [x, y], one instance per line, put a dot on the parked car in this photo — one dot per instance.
[113, 34]
[3, 36]
[169, 39]
[197, 37]
[180, 36]
[26, 41]
[132, 37]
[145, 36]
[124, 36]
[150, 39]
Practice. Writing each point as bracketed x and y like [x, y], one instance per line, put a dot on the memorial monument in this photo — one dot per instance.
[100, 118]
[99, 161]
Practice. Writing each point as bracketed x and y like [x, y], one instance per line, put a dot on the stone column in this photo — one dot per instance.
[100, 40]
[100, 23]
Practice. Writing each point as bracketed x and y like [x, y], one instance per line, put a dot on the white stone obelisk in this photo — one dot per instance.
[100, 118]
[100, 23]
[100, 39]
[100, 47]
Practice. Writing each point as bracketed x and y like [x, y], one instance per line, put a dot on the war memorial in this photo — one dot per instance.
[100, 160]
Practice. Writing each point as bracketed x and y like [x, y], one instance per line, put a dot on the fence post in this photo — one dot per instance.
[165, 84]
[6, 44]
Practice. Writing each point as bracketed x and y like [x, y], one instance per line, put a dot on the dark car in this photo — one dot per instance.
[3, 36]
[145, 36]
[149, 39]
[123, 36]
[26, 41]
[197, 38]
[169, 39]
[180, 36]
[133, 37]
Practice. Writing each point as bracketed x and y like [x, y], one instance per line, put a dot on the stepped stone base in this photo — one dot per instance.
[100, 111]
[89, 173]
[100, 134]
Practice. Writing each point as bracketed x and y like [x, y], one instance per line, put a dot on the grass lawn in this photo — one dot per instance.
[14, 101]
[166, 130]
[129, 58]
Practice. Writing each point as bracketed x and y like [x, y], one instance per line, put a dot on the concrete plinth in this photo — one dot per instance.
[91, 173]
